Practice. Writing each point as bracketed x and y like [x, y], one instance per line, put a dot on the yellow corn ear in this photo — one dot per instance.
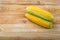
[38, 21]
[40, 11]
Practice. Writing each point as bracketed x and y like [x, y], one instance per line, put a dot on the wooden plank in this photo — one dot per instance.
[30, 1]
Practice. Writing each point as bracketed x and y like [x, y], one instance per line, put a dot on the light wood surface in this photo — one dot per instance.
[30, 2]
[14, 25]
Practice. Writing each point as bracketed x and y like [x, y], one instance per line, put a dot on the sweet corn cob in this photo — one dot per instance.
[39, 16]
[42, 13]
[38, 21]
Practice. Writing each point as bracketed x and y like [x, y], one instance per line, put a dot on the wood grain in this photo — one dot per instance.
[30, 1]
[14, 25]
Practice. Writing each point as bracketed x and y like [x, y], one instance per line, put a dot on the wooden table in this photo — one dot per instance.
[14, 25]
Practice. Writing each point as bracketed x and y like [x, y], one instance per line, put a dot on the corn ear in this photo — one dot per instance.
[38, 21]
[46, 15]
